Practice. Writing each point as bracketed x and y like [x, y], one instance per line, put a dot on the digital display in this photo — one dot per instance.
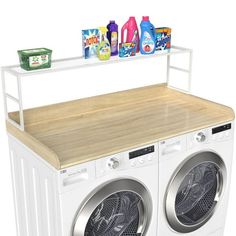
[141, 152]
[221, 128]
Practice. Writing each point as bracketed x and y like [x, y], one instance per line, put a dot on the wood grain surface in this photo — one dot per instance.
[75, 132]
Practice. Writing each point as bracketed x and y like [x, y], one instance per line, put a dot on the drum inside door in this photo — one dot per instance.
[196, 195]
[195, 191]
[121, 207]
[117, 215]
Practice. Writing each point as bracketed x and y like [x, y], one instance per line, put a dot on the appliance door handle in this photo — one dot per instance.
[124, 28]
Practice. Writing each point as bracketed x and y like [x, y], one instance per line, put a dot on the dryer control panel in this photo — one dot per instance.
[221, 128]
[222, 132]
[217, 133]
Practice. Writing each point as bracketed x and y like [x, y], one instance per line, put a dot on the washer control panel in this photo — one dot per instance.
[135, 158]
[141, 152]
[142, 156]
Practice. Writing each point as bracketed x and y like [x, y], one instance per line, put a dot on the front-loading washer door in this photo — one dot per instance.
[194, 191]
[120, 208]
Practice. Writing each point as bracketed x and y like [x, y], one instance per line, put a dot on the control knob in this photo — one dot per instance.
[113, 163]
[200, 137]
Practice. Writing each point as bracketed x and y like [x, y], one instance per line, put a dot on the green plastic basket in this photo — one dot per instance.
[34, 59]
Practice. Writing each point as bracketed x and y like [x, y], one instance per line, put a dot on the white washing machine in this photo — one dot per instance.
[116, 195]
[194, 178]
[111, 196]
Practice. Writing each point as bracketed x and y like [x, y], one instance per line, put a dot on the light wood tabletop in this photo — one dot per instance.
[75, 132]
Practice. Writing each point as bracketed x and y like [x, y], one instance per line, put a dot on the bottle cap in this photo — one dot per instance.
[145, 18]
[112, 22]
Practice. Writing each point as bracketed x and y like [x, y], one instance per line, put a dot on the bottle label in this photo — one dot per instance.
[147, 44]
[114, 41]
[35, 61]
[104, 50]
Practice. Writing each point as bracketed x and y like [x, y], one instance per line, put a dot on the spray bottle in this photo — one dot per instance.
[104, 48]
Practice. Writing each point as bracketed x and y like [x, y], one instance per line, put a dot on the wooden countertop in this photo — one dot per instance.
[74, 132]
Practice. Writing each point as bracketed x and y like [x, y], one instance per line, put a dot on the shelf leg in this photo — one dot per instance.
[168, 70]
[21, 112]
[190, 70]
[4, 92]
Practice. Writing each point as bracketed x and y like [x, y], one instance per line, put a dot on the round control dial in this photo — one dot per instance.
[113, 163]
[200, 137]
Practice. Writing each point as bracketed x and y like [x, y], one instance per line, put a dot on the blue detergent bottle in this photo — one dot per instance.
[148, 38]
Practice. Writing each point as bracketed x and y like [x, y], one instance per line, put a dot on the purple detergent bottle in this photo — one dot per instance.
[112, 36]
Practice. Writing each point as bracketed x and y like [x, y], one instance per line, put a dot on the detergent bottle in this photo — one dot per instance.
[112, 36]
[132, 32]
[148, 38]
[104, 48]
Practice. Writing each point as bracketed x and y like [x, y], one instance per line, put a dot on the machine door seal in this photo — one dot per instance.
[119, 208]
[195, 191]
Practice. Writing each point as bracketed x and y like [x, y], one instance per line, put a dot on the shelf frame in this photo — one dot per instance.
[73, 63]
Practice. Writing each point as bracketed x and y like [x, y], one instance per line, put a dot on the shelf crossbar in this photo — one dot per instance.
[179, 69]
[12, 98]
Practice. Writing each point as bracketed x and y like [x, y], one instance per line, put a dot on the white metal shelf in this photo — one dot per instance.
[80, 62]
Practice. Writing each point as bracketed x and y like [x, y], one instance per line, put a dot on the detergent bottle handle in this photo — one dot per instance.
[125, 27]
[153, 30]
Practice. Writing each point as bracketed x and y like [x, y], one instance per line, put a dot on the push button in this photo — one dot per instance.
[133, 163]
[141, 160]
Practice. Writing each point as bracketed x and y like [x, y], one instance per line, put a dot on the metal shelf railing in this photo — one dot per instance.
[80, 62]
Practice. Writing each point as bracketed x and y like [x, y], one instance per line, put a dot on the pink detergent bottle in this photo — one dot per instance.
[132, 32]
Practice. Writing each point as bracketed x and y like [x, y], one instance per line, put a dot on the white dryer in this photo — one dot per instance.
[115, 195]
[194, 178]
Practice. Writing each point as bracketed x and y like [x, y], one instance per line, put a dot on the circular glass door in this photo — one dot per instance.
[195, 191]
[119, 208]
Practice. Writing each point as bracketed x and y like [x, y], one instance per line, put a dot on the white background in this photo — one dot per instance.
[206, 26]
